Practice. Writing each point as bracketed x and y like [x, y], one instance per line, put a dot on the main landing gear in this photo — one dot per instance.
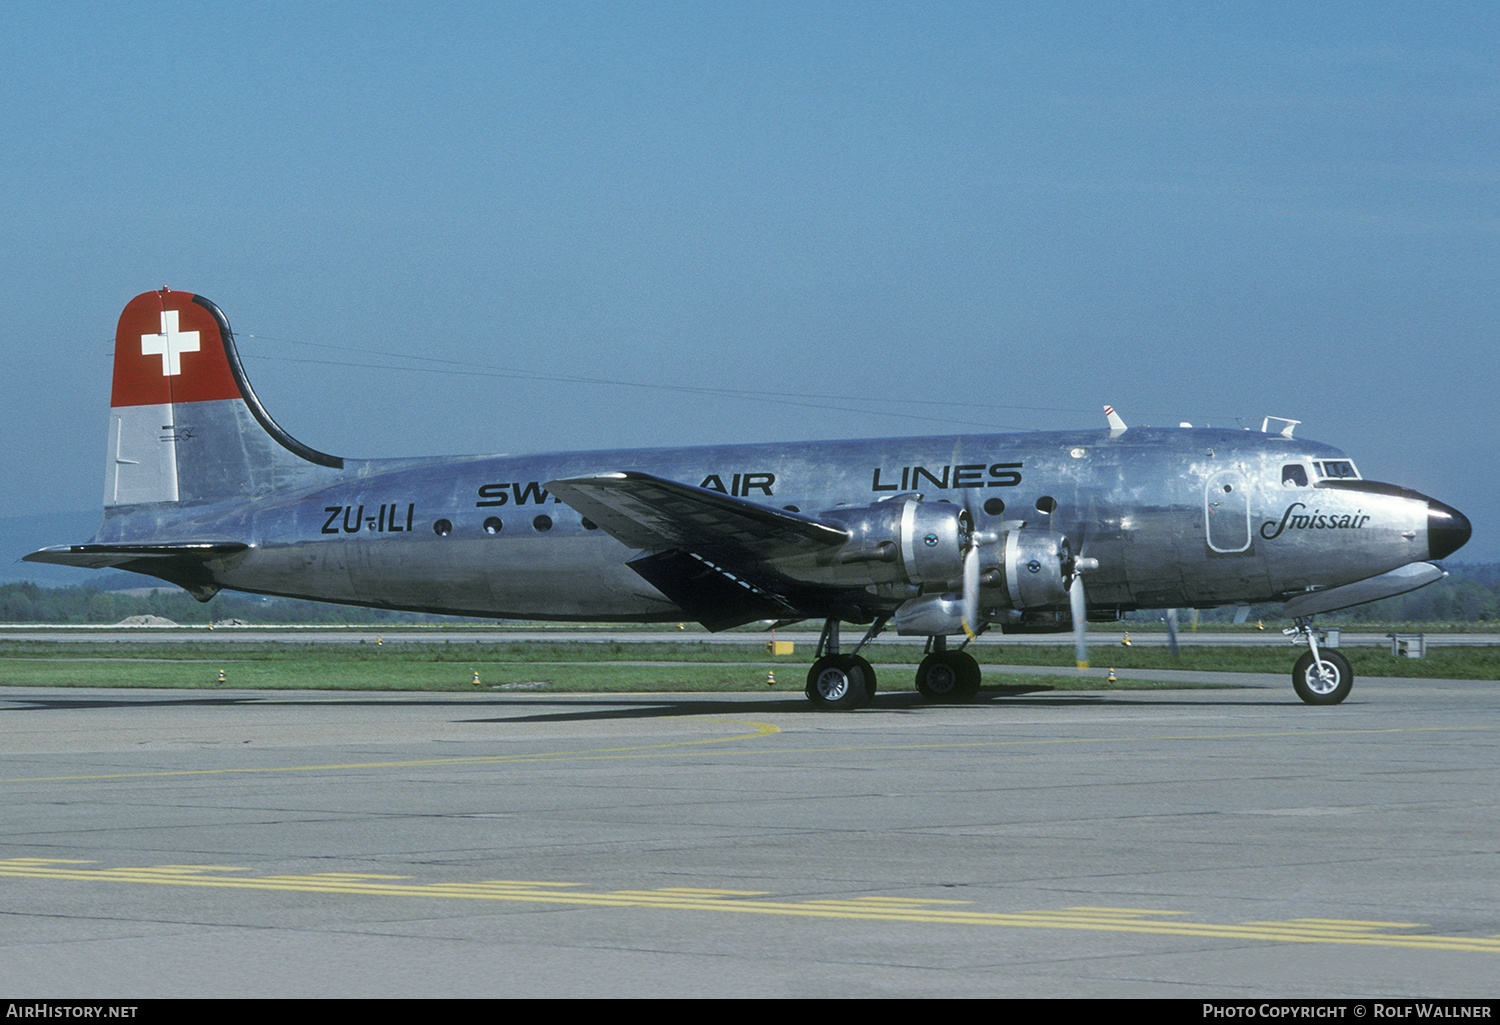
[948, 676]
[1321, 676]
[840, 682]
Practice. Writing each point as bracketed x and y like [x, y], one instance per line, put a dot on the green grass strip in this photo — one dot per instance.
[660, 667]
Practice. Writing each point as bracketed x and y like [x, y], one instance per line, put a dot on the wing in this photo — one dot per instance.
[713, 555]
[658, 514]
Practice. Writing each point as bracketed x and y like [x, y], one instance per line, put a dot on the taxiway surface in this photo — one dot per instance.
[1231, 844]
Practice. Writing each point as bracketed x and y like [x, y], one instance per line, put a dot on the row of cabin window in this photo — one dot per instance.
[442, 528]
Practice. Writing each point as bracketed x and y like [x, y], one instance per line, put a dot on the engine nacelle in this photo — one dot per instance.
[905, 548]
[902, 541]
[1033, 567]
[1038, 569]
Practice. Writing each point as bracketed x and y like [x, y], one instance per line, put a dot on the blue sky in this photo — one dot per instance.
[618, 224]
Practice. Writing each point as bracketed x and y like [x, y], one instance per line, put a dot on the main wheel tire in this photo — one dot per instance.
[838, 683]
[1324, 682]
[937, 679]
[968, 675]
[948, 677]
[869, 672]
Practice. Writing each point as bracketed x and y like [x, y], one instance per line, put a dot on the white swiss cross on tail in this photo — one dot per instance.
[170, 344]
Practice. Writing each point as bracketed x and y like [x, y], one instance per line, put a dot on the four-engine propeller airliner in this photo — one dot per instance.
[941, 537]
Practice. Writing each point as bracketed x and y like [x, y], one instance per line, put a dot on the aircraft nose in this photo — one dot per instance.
[1448, 529]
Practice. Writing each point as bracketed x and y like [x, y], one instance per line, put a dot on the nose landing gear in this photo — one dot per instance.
[1321, 676]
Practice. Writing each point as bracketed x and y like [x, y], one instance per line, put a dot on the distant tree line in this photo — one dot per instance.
[32, 603]
[1471, 594]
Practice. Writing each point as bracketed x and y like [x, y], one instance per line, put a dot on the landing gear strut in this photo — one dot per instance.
[838, 682]
[1321, 676]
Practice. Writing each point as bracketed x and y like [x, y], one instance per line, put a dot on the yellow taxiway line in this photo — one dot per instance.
[1151, 921]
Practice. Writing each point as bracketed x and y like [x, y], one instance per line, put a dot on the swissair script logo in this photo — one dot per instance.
[170, 344]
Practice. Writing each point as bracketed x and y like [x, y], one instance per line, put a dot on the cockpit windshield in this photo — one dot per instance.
[1336, 469]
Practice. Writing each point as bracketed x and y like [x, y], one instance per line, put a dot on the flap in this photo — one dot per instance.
[710, 594]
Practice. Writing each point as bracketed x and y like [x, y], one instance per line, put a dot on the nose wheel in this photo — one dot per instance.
[1321, 676]
[1322, 679]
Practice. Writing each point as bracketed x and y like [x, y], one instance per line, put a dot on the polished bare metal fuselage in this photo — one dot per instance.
[1175, 517]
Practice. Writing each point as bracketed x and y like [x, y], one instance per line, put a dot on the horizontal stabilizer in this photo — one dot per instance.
[1386, 585]
[178, 562]
[112, 556]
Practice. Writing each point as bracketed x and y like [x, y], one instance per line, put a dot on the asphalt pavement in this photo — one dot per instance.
[1204, 843]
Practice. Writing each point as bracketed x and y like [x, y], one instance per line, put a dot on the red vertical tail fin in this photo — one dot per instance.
[185, 425]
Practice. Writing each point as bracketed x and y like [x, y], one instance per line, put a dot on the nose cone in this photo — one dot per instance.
[1448, 530]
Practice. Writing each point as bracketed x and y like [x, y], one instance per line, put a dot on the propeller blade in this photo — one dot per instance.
[971, 590]
[1079, 608]
[1172, 632]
